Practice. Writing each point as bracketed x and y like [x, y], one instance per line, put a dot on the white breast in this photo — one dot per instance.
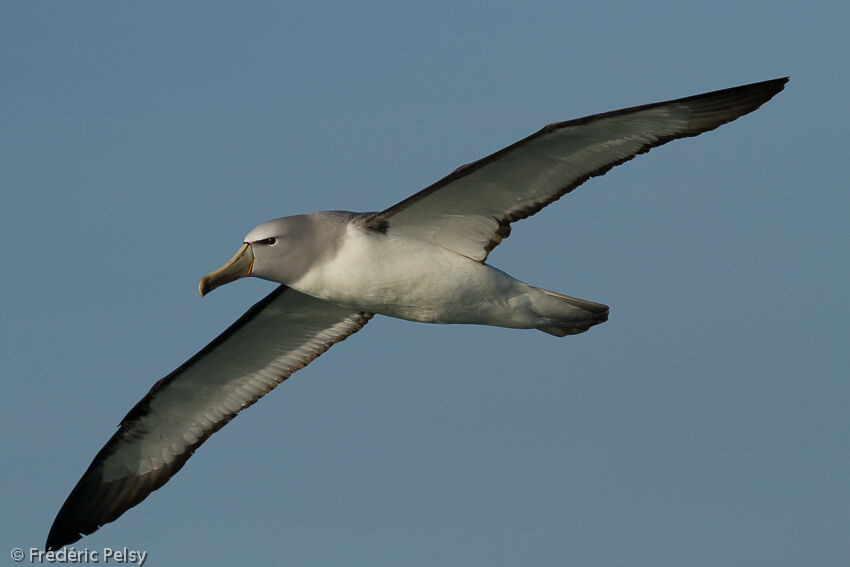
[411, 279]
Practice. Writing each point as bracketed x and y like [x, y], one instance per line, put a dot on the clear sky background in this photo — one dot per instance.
[705, 424]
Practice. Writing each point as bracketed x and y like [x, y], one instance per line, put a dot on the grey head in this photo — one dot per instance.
[283, 250]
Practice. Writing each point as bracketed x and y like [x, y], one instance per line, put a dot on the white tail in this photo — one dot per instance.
[566, 315]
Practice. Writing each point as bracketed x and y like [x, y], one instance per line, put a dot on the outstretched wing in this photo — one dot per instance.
[282, 333]
[470, 210]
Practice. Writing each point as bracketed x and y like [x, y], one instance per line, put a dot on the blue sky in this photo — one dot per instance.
[705, 423]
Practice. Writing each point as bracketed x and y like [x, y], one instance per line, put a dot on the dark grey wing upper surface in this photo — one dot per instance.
[282, 333]
[470, 210]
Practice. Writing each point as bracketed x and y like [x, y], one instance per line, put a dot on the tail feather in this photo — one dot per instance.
[565, 315]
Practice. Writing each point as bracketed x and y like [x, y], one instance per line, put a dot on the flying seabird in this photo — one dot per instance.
[421, 259]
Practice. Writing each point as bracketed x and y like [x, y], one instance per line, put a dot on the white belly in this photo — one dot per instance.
[418, 281]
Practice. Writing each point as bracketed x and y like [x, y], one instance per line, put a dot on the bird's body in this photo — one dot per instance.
[422, 259]
[411, 279]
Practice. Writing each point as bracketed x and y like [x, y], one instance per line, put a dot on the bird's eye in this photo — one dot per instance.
[268, 241]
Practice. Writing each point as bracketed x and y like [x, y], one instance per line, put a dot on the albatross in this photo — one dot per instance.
[422, 259]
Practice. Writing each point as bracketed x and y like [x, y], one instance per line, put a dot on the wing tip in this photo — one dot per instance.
[711, 110]
[71, 522]
[766, 89]
[60, 535]
[775, 86]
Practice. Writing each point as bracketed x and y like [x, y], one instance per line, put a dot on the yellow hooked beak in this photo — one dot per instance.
[237, 267]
